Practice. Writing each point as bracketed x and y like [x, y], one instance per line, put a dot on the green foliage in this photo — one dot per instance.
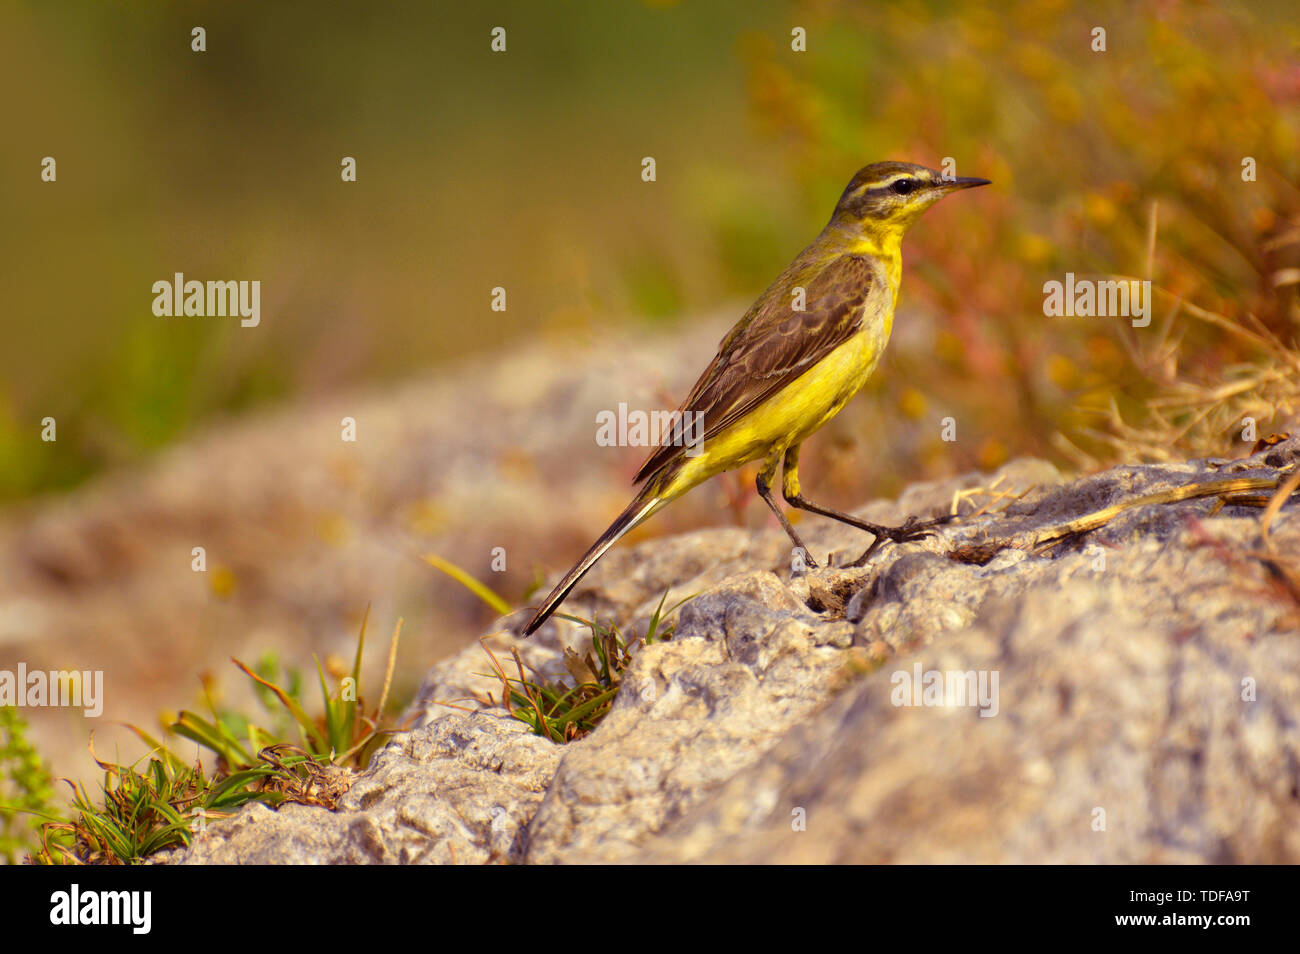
[143, 811]
[562, 712]
[342, 734]
[26, 789]
[160, 801]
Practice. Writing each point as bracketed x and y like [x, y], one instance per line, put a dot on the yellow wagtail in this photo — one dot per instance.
[784, 370]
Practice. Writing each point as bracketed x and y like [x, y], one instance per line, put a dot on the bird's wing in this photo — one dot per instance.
[774, 344]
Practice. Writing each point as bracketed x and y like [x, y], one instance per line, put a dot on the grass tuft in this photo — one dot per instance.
[161, 801]
[563, 711]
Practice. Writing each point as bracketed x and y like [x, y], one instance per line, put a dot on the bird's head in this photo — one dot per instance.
[887, 197]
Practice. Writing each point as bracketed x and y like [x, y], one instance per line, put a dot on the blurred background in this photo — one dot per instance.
[522, 169]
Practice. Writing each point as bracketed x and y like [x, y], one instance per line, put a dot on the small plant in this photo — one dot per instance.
[149, 810]
[164, 803]
[563, 712]
[26, 789]
[344, 733]
[557, 710]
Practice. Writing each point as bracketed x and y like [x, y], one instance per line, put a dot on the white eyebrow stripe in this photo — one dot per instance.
[872, 186]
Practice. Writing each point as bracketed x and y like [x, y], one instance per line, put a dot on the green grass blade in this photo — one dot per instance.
[483, 592]
[305, 722]
[580, 712]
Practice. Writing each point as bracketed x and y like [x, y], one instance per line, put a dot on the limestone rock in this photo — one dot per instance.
[1134, 698]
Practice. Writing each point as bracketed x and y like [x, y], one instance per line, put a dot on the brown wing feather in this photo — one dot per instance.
[774, 344]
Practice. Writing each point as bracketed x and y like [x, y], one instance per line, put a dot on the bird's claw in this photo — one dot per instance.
[911, 529]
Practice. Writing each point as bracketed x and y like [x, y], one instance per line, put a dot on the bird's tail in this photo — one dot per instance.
[638, 510]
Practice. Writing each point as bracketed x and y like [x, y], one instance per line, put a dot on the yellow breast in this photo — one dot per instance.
[798, 410]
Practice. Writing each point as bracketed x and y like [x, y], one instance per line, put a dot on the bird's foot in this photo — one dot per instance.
[912, 529]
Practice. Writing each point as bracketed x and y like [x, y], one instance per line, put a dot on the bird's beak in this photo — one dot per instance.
[963, 182]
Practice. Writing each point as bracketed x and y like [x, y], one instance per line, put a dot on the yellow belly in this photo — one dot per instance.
[792, 414]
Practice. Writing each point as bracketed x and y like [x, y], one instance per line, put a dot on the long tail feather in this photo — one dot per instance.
[638, 510]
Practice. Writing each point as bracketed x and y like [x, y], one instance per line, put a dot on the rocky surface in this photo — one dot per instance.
[1141, 699]
[303, 530]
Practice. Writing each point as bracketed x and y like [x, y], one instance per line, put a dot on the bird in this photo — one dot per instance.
[801, 351]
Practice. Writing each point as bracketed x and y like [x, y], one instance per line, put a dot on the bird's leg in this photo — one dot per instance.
[912, 529]
[764, 485]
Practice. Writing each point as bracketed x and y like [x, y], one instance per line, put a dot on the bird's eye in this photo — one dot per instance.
[903, 186]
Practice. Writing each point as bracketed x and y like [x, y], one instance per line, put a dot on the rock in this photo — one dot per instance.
[302, 531]
[458, 791]
[1134, 698]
